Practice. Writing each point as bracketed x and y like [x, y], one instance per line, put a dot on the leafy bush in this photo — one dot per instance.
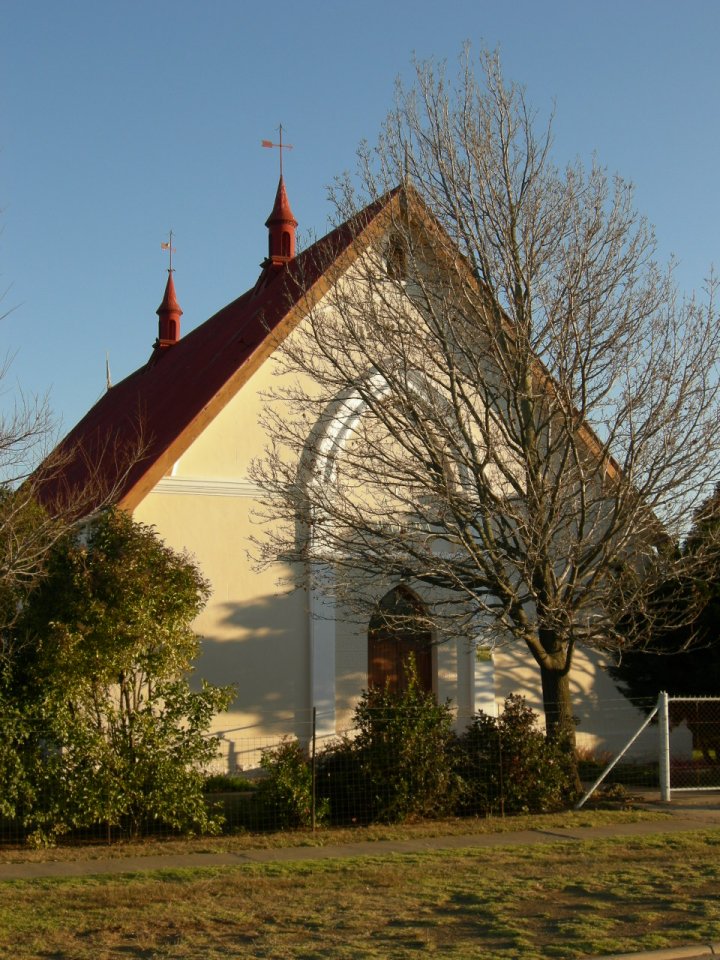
[284, 797]
[399, 765]
[507, 765]
[341, 782]
[99, 664]
[226, 783]
[404, 762]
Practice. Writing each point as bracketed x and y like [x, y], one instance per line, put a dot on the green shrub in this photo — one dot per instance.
[508, 766]
[104, 730]
[341, 782]
[284, 797]
[225, 783]
[400, 763]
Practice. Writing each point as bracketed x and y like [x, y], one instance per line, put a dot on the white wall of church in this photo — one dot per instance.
[266, 638]
[605, 718]
[254, 627]
[254, 632]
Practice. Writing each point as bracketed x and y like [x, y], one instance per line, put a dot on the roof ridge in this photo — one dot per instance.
[171, 402]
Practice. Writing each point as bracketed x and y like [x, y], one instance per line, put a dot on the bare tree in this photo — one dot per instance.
[39, 500]
[503, 398]
[27, 430]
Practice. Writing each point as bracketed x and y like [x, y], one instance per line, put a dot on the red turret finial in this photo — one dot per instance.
[281, 223]
[169, 310]
[281, 226]
[169, 313]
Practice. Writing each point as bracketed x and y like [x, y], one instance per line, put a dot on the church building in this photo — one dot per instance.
[192, 411]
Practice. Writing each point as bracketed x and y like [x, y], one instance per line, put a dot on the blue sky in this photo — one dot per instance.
[119, 121]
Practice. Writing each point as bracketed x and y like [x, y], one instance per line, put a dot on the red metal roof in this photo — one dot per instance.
[163, 406]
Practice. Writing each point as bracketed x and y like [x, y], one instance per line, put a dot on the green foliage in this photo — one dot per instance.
[508, 765]
[102, 654]
[405, 762]
[680, 653]
[398, 766]
[226, 783]
[18, 763]
[27, 533]
[400, 763]
[341, 784]
[115, 597]
[285, 795]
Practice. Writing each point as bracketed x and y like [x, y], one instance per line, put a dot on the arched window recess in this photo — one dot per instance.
[337, 422]
[400, 632]
[318, 468]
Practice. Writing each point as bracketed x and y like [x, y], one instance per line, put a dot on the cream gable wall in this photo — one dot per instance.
[255, 631]
[284, 650]
[288, 650]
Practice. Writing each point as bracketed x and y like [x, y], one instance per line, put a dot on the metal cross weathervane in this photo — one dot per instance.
[281, 146]
[167, 245]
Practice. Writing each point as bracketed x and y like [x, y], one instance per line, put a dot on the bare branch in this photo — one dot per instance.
[514, 412]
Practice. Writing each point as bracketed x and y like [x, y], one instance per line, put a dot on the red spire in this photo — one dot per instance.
[169, 312]
[281, 226]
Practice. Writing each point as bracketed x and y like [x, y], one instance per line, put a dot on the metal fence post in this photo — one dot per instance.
[500, 773]
[312, 766]
[664, 745]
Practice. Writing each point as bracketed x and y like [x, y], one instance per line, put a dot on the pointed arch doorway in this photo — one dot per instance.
[399, 629]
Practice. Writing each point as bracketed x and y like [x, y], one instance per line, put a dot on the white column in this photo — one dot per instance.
[475, 682]
[322, 649]
[484, 675]
[465, 675]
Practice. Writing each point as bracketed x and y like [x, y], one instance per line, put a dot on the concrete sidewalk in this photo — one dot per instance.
[687, 815]
[695, 952]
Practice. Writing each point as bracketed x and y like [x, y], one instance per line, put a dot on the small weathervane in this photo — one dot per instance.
[167, 245]
[281, 146]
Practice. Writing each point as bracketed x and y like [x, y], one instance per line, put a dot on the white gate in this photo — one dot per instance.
[700, 770]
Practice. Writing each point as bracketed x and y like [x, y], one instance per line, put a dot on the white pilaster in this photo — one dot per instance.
[475, 682]
[322, 649]
[484, 681]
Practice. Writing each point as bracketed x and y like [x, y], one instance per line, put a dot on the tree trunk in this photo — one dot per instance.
[559, 719]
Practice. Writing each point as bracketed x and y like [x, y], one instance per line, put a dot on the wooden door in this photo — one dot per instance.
[399, 631]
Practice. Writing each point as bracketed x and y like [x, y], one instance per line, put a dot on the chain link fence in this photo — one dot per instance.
[405, 760]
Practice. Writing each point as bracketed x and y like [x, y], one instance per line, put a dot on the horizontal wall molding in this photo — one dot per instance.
[208, 487]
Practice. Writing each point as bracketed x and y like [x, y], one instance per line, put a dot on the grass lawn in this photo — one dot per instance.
[461, 826]
[562, 900]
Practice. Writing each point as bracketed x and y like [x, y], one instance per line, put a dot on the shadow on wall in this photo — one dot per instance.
[606, 719]
[262, 649]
